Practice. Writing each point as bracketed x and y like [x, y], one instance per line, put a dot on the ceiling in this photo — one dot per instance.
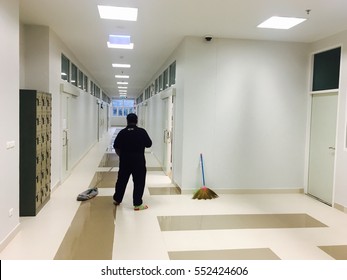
[162, 24]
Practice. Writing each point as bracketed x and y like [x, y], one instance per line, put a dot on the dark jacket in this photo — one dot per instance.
[131, 142]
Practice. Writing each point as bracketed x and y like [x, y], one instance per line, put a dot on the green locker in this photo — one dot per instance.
[35, 151]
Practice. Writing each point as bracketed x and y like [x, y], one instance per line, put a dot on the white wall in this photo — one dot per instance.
[9, 118]
[243, 104]
[43, 49]
[245, 108]
[36, 57]
[83, 126]
[340, 193]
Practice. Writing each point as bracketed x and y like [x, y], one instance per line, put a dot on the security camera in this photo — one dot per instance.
[208, 38]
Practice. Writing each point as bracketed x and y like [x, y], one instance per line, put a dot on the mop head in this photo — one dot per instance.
[88, 194]
[205, 193]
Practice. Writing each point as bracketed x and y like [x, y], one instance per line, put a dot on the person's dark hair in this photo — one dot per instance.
[132, 118]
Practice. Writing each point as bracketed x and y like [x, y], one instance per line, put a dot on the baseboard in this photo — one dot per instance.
[55, 186]
[340, 207]
[250, 191]
[9, 237]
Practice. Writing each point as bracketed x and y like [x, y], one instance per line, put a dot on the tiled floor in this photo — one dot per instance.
[233, 226]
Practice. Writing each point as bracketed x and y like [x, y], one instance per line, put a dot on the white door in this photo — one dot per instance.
[322, 147]
[98, 122]
[143, 115]
[65, 104]
[168, 128]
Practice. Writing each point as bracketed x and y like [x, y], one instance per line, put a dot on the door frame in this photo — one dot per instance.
[308, 140]
[169, 95]
[64, 135]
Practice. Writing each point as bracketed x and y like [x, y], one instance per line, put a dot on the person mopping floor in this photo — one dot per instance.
[130, 145]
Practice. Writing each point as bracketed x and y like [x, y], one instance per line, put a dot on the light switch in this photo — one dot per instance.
[10, 144]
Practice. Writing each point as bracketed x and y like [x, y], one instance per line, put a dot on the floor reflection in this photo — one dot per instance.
[211, 222]
[91, 233]
[235, 254]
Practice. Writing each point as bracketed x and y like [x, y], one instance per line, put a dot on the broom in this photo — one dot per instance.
[204, 192]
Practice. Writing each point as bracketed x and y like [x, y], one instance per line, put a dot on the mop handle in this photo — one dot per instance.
[202, 170]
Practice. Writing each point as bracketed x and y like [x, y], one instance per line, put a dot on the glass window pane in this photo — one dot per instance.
[74, 74]
[117, 102]
[166, 78]
[128, 103]
[172, 79]
[326, 70]
[80, 79]
[65, 68]
[85, 83]
[92, 88]
[156, 85]
[161, 87]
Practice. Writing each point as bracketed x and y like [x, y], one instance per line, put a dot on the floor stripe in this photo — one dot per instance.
[91, 233]
[256, 221]
[105, 179]
[109, 160]
[338, 252]
[154, 168]
[235, 254]
[164, 191]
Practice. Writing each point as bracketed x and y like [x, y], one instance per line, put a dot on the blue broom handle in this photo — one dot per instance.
[202, 170]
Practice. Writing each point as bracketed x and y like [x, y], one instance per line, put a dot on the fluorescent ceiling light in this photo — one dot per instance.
[281, 22]
[117, 46]
[123, 91]
[122, 83]
[117, 13]
[122, 87]
[122, 76]
[118, 65]
[119, 42]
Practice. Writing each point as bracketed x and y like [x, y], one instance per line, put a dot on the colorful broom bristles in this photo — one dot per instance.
[205, 193]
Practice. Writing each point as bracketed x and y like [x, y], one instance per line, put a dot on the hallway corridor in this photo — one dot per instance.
[175, 227]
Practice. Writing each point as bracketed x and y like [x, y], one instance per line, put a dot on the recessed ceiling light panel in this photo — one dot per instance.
[281, 22]
[119, 65]
[122, 76]
[119, 42]
[117, 13]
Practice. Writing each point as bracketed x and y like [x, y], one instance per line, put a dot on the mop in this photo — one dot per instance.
[91, 192]
[204, 192]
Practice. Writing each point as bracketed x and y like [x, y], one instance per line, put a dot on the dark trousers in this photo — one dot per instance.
[135, 166]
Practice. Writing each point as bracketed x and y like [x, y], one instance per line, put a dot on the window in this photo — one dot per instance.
[80, 79]
[172, 78]
[122, 107]
[166, 78]
[92, 89]
[74, 74]
[85, 83]
[147, 93]
[161, 81]
[139, 99]
[157, 86]
[65, 68]
[326, 70]
[97, 91]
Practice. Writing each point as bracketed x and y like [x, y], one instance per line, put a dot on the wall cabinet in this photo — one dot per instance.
[35, 151]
